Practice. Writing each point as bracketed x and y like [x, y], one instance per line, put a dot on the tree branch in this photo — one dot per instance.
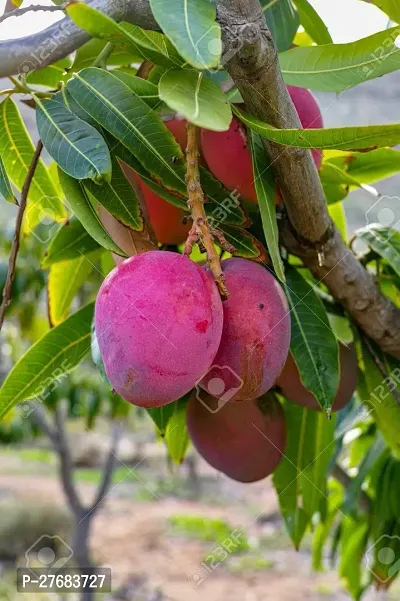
[66, 468]
[108, 468]
[309, 232]
[18, 12]
[201, 231]
[60, 39]
[15, 245]
[345, 480]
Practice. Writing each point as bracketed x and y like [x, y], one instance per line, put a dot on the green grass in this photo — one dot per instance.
[209, 530]
[93, 475]
[249, 563]
[41, 455]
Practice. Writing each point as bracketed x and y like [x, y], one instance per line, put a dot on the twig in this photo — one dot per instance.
[202, 232]
[379, 365]
[15, 245]
[341, 476]
[108, 468]
[18, 12]
[144, 69]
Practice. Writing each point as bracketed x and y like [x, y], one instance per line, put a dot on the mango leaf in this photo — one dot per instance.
[76, 146]
[88, 53]
[353, 543]
[86, 213]
[312, 22]
[385, 241]
[176, 433]
[324, 528]
[143, 88]
[65, 279]
[46, 362]
[367, 463]
[390, 7]
[51, 75]
[192, 28]
[378, 396]
[70, 242]
[313, 344]
[197, 98]
[265, 189]
[16, 150]
[283, 21]
[148, 45]
[368, 167]
[338, 216]
[5, 186]
[300, 479]
[338, 67]
[128, 118]
[161, 416]
[341, 138]
[118, 197]
[246, 245]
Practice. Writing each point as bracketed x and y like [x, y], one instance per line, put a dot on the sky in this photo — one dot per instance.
[347, 20]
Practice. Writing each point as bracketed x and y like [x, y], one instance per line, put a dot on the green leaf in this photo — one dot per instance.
[353, 542]
[5, 186]
[46, 362]
[147, 91]
[340, 138]
[51, 75]
[96, 355]
[128, 118]
[312, 22]
[265, 189]
[338, 216]
[313, 344]
[119, 198]
[192, 28]
[368, 167]
[70, 242]
[379, 398]
[390, 7]
[338, 67]
[65, 279]
[87, 54]
[367, 463]
[161, 416]
[283, 21]
[148, 45]
[246, 245]
[76, 146]
[16, 150]
[385, 241]
[197, 98]
[176, 433]
[86, 213]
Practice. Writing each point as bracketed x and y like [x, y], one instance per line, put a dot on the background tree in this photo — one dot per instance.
[100, 113]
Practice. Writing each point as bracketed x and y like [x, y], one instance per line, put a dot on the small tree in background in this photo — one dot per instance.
[100, 116]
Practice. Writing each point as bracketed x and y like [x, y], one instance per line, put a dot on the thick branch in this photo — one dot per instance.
[60, 39]
[18, 12]
[253, 65]
[15, 245]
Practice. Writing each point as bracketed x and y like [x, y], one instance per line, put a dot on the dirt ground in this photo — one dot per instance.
[132, 534]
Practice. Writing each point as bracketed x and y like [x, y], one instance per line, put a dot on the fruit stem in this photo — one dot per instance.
[201, 231]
